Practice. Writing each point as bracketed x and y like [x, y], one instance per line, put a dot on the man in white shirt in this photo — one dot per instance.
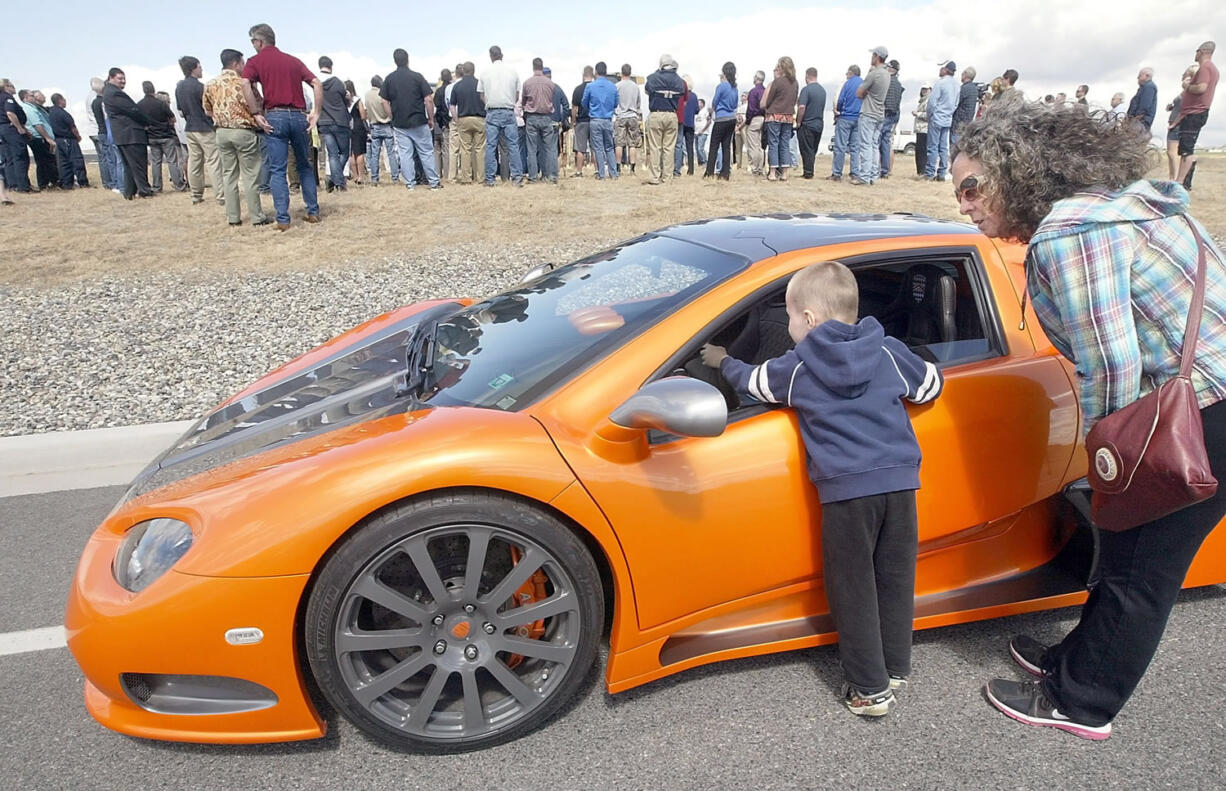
[702, 128]
[499, 89]
[453, 142]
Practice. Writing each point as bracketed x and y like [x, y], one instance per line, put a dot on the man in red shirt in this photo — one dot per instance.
[1194, 110]
[282, 114]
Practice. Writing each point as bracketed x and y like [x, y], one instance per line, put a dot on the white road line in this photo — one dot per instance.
[32, 640]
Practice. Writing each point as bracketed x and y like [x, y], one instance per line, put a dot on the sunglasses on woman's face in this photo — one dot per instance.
[970, 189]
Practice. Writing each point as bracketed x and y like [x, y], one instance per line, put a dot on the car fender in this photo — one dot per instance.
[279, 511]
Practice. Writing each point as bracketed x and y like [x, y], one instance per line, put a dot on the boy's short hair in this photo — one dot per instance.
[828, 288]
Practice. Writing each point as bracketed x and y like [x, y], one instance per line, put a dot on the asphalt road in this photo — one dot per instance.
[770, 722]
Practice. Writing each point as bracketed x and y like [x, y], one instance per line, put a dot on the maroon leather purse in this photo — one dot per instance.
[1148, 459]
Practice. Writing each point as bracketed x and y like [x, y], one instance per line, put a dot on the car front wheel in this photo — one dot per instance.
[455, 622]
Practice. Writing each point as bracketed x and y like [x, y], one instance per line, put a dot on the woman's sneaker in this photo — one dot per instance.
[1030, 654]
[1025, 702]
[867, 705]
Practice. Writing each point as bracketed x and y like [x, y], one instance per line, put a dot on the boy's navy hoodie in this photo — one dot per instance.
[847, 383]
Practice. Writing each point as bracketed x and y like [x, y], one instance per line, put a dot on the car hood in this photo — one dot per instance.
[348, 380]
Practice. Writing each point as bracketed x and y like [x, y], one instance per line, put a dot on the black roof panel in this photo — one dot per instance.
[767, 235]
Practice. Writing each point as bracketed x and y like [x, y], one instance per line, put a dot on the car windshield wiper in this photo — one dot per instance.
[420, 360]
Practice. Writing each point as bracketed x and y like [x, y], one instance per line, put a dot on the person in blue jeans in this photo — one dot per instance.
[600, 100]
[499, 87]
[334, 123]
[290, 128]
[893, 109]
[285, 122]
[941, 105]
[846, 125]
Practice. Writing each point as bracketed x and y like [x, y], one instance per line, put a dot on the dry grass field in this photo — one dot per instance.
[57, 237]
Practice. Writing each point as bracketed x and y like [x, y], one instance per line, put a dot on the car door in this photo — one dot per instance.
[708, 521]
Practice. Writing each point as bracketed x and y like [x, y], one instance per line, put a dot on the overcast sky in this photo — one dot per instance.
[1055, 45]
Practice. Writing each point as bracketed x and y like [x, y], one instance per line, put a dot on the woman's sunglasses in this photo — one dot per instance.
[971, 188]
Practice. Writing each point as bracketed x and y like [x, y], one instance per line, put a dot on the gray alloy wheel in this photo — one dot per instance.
[454, 623]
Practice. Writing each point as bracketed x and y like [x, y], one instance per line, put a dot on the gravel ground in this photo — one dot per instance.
[123, 351]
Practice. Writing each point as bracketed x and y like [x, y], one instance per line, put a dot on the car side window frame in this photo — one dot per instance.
[989, 318]
[981, 290]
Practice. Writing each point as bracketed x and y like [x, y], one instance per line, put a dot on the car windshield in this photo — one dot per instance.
[508, 350]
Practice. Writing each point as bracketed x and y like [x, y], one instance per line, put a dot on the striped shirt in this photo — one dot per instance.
[1111, 276]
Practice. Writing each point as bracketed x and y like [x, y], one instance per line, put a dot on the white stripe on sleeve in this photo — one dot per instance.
[931, 386]
[764, 385]
[752, 386]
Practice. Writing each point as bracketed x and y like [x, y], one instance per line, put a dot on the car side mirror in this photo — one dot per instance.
[678, 405]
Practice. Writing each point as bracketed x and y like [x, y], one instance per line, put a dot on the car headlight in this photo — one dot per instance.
[149, 550]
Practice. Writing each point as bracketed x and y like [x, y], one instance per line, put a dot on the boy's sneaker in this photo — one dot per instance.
[897, 683]
[1025, 702]
[867, 705]
[1029, 653]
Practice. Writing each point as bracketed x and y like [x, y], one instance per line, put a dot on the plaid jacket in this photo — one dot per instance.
[1111, 276]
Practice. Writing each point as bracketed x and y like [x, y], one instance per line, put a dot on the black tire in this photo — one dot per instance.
[381, 635]
[909, 149]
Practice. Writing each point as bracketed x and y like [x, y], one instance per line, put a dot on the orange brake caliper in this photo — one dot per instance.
[531, 591]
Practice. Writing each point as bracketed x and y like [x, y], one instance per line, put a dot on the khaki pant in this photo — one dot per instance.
[472, 149]
[454, 144]
[202, 151]
[239, 151]
[441, 137]
[661, 140]
[753, 142]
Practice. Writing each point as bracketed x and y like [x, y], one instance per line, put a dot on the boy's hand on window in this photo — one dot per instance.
[713, 355]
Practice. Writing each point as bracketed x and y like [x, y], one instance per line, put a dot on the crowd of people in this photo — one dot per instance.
[255, 127]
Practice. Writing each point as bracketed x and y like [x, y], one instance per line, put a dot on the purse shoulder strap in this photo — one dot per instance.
[1196, 309]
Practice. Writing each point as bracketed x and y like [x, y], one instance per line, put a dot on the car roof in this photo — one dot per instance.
[763, 236]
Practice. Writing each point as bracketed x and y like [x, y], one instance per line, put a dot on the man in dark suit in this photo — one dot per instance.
[128, 129]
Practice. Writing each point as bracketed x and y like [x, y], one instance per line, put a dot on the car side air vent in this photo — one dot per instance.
[166, 693]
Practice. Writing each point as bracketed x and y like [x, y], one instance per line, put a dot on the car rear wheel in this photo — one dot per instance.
[454, 623]
[909, 149]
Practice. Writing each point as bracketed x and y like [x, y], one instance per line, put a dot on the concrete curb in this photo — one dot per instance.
[63, 460]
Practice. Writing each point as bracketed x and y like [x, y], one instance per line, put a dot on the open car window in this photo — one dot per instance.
[938, 305]
[936, 302]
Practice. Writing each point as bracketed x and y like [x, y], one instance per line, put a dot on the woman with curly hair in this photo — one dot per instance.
[779, 104]
[1110, 271]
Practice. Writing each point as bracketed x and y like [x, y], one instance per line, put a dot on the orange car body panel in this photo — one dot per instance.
[711, 544]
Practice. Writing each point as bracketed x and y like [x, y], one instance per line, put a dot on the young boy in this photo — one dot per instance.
[847, 380]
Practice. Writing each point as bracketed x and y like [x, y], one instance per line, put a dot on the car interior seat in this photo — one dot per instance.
[924, 311]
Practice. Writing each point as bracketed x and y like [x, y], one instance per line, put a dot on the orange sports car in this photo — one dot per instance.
[428, 522]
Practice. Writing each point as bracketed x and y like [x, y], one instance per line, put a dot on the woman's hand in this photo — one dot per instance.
[712, 356]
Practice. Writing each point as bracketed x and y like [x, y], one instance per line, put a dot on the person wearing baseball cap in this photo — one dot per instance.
[872, 93]
[941, 105]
